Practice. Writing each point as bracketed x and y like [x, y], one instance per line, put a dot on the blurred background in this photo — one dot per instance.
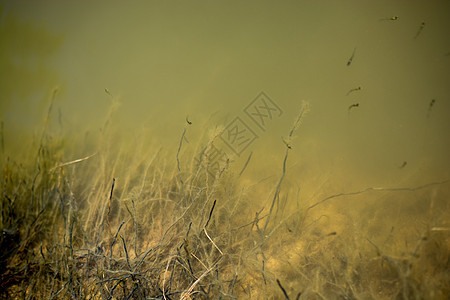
[375, 75]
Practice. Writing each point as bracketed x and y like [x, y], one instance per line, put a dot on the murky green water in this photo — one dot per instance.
[376, 85]
[164, 61]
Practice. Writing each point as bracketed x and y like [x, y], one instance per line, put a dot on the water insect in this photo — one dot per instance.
[422, 26]
[352, 106]
[354, 90]
[394, 18]
[286, 143]
[433, 101]
[351, 57]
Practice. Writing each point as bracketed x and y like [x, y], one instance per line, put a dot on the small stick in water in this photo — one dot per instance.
[115, 238]
[109, 204]
[210, 213]
[246, 163]
[282, 288]
[403, 165]
[126, 253]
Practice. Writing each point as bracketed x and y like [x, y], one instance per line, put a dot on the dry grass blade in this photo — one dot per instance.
[73, 162]
[186, 295]
[55, 243]
[304, 109]
[214, 244]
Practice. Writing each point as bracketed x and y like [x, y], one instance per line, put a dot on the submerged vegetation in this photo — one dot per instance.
[94, 220]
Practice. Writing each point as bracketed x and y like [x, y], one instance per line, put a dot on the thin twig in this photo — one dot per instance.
[131, 294]
[375, 189]
[70, 239]
[109, 204]
[60, 290]
[117, 283]
[282, 288]
[114, 241]
[210, 213]
[143, 257]
[178, 160]
[126, 253]
[246, 164]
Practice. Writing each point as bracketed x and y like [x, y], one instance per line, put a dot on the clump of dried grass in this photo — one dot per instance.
[134, 223]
